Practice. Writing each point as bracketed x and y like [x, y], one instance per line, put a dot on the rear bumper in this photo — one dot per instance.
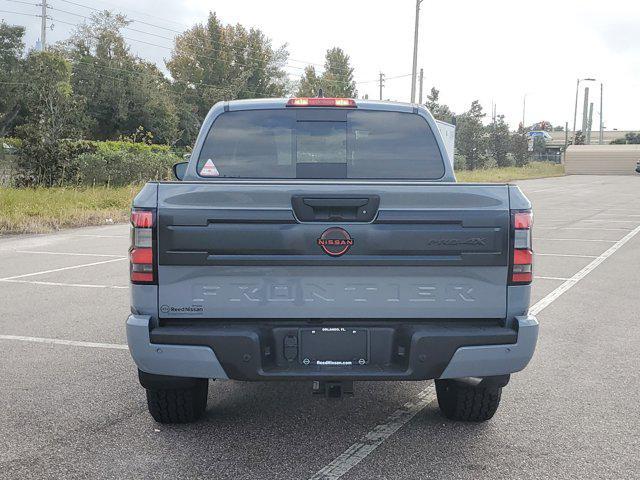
[412, 351]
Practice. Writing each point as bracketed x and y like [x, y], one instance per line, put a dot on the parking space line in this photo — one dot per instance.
[71, 253]
[611, 221]
[97, 236]
[372, 440]
[575, 239]
[63, 269]
[568, 284]
[596, 228]
[564, 255]
[550, 278]
[585, 228]
[57, 341]
[58, 284]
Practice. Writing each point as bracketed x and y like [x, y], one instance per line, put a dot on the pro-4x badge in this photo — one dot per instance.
[335, 241]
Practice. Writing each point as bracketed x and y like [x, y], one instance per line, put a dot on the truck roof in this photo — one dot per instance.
[271, 103]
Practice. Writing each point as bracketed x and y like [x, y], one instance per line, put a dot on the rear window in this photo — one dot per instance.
[320, 143]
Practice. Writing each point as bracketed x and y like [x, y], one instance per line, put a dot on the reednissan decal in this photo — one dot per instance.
[335, 241]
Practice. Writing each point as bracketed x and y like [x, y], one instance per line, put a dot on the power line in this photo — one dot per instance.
[135, 11]
[133, 19]
[127, 28]
[386, 78]
[166, 38]
[18, 13]
[21, 2]
[186, 83]
[199, 54]
[256, 59]
[77, 4]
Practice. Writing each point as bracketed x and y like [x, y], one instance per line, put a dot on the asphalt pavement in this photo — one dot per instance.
[71, 405]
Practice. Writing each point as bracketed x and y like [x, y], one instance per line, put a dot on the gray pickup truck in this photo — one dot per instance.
[325, 239]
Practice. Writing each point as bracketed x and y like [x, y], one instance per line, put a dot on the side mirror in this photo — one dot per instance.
[179, 170]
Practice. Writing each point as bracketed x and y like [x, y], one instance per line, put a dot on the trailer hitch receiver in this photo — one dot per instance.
[333, 389]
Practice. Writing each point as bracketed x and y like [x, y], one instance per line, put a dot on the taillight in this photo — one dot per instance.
[521, 267]
[321, 102]
[142, 265]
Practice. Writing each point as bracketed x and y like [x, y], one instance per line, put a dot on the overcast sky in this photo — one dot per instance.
[494, 51]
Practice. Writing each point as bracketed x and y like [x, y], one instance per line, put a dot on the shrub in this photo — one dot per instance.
[122, 167]
[49, 163]
[511, 159]
[130, 147]
[487, 161]
[88, 162]
[12, 142]
[459, 162]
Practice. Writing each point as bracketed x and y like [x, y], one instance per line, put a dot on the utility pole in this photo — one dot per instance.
[575, 110]
[421, 81]
[381, 83]
[415, 53]
[566, 138]
[585, 110]
[524, 109]
[43, 27]
[589, 123]
[600, 137]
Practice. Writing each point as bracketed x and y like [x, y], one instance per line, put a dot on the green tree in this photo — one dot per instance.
[11, 48]
[212, 62]
[499, 141]
[471, 140]
[53, 114]
[520, 147]
[309, 83]
[337, 77]
[579, 138]
[263, 66]
[438, 110]
[539, 146]
[122, 91]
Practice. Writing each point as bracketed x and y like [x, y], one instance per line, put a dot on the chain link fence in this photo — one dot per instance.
[554, 157]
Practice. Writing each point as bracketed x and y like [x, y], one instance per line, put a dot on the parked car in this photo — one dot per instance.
[324, 239]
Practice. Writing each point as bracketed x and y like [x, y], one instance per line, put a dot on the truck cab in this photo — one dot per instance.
[325, 239]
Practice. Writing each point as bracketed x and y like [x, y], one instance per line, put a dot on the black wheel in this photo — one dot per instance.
[461, 400]
[178, 405]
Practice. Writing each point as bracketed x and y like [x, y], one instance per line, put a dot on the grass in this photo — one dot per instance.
[507, 174]
[43, 210]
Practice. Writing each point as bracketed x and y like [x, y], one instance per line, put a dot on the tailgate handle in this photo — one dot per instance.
[336, 202]
[335, 209]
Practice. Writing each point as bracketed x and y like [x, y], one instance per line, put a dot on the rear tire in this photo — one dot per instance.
[463, 401]
[178, 405]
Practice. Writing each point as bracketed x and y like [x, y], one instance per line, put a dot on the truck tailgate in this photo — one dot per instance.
[249, 249]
